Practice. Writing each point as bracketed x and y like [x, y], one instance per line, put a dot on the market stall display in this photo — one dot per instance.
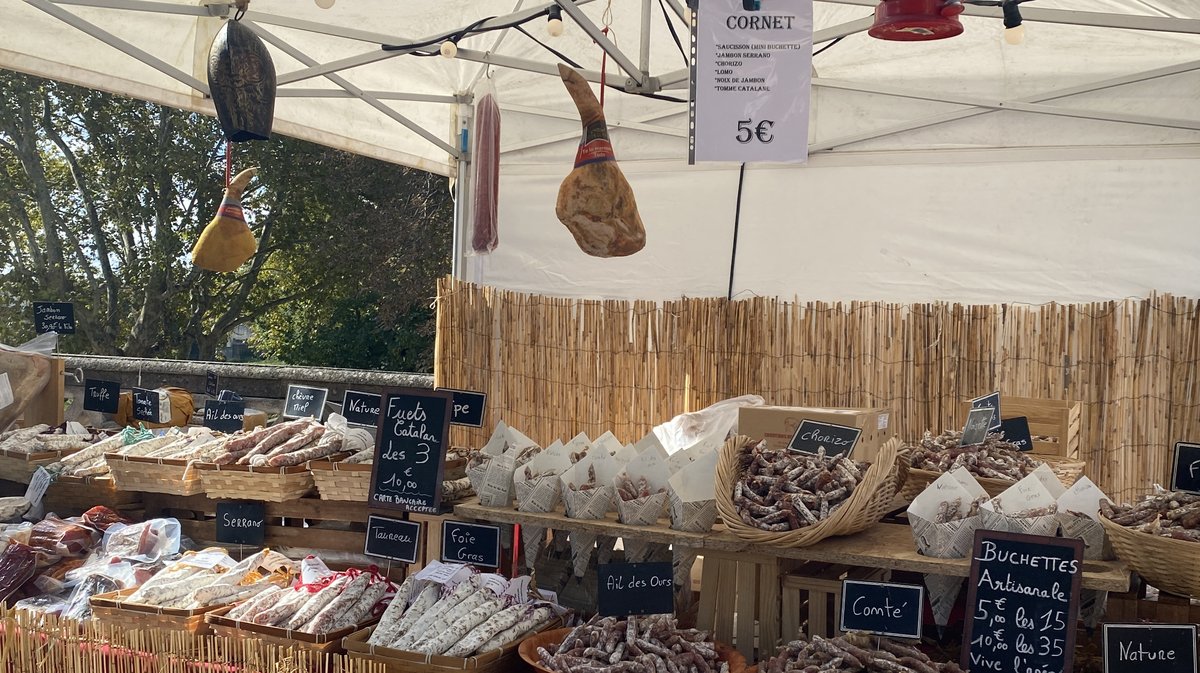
[995, 463]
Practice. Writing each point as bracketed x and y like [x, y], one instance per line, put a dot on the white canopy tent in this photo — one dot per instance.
[1061, 169]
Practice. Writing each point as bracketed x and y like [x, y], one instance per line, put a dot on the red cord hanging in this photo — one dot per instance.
[603, 70]
[228, 162]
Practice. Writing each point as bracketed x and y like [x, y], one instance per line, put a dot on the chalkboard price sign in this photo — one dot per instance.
[989, 402]
[102, 396]
[394, 539]
[224, 415]
[1185, 470]
[976, 429]
[812, 435]
[241, 522]
[474, 543]
[1022, 602]
[883, 609]
[410, 450]
[54, 316]
[634, 589]
[468, 407]
[1162, 648]
[303, 401]
[147, 405]
[361, 408]
[212, 383]
[1016, 431]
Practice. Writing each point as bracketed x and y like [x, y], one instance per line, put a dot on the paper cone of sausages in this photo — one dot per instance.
[1078, 517]
[943, 519]
[1028, 506]
[491, 469]
[693, 507]
[641, 498]
[538, 489]
[588, 493]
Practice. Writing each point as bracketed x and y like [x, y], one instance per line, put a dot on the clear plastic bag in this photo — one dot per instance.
[146, 542]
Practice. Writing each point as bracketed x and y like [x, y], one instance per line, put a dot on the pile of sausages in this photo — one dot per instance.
[1171, 514]
[853, 653]
[649, 644]
[290, 443]
[343, 602]
[994, 458]
[780, 490]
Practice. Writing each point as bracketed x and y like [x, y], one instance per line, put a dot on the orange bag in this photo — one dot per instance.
[182, 407]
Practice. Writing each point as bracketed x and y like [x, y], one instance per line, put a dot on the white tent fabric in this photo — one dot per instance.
[964, 169]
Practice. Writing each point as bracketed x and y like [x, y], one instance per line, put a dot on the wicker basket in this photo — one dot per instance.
[871, 500]
[401, 661]
[1067, 470]
[326, 643]
[1163, 562]
[19, 467]
[75, 495]
[244, 482]
[111, 609]
[342, 481]
[173, 476]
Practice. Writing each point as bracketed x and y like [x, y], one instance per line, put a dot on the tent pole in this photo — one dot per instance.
[1073, 17]
[601, 39]
[644, 47]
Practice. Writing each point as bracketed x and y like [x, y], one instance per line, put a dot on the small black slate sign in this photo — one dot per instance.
[1161, 648]
[54, 316]
[474, 543]
[976, 429]
[1023, 602]
[812, 435]
[304, 401]
[394, 539]
[468, 407]
[102, 396]
[1185, 469]
[883, 609]
[410, 450]
[1016, 431]
[989, 402]
[224, 415]
[361, 408]
[634, 589]
[146, 405]
[211, 383]
[241, 522]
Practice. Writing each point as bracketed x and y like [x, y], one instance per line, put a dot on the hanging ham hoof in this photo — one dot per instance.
[595, 201]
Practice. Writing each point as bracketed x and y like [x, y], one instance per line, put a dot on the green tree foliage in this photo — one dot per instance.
[102, 198]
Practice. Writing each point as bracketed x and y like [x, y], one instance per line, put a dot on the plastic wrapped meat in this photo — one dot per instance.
[16, 567]
[148, 541]
[101, 517]
[57, 537]
[78, 606]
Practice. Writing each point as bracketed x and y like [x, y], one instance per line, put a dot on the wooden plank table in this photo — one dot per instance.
[887, 546]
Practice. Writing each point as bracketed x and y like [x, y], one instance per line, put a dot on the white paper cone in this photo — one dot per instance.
[581, 551]
[694, 517]
[682, 560]
[943, 592]
[1092, 604]
[533, 538]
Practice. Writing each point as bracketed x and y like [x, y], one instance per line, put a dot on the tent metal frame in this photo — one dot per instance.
[638, 78]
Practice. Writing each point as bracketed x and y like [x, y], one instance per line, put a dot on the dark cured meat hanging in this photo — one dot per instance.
[485, 234]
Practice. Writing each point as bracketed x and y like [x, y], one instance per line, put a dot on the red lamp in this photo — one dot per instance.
[916, 20]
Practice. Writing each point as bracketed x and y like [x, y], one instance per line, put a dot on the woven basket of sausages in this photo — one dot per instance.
[1159, 539]
[173, 476]
[350, 482]
[791, 499]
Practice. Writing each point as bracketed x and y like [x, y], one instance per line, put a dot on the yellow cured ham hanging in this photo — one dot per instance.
[227, 243]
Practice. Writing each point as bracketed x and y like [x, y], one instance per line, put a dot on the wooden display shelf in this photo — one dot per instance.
[887, 546]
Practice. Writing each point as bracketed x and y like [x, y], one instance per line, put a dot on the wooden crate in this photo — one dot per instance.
[244, 482]
[812, 597]
[110, 608]
[739, 600]
[326, 643]
[502, 660]
[1057, 419]
[1165, 608]
[70, 496]
[154, 475]
[19, 467]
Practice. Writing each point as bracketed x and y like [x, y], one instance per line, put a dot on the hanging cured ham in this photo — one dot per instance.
[227, 242]
[595, 201]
